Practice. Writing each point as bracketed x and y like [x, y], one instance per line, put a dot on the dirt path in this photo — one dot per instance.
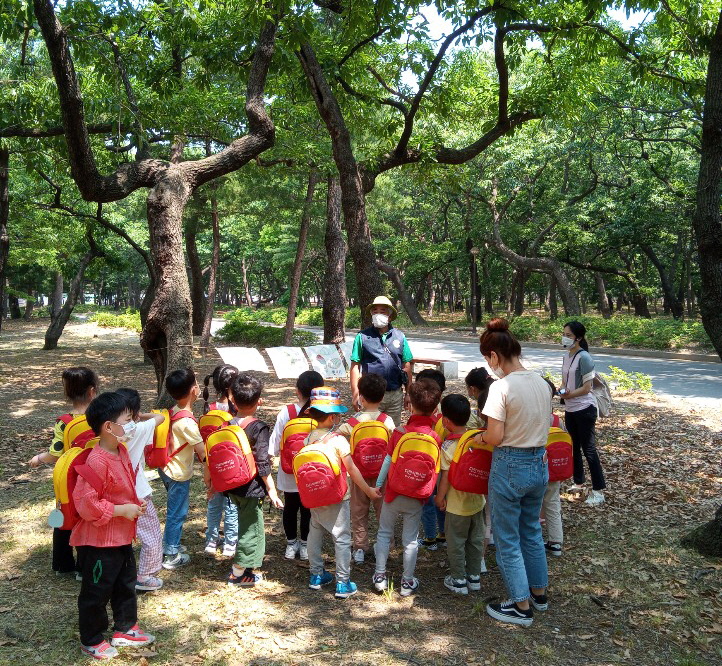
[623, 592]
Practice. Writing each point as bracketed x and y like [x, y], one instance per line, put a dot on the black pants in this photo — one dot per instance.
[63, 558]
[291, 506]
[109, 574]
[580, 426]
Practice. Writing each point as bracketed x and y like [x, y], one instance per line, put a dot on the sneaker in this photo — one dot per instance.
[576, 488]
[508, 611]
[380, 582]
[553, 548]
[148, 584]
[595, 498]
[246, 579]
[345, 590]
[408, 587]
[303, 551]
[441, 541]
[483, 566]
[457, 585]
[102, 650]
[174, 561]
[133, 637]
[229, 549]
[292, 548]
[211, 547]
[358, 556]
[428, 544]
[474, 582]
[539, 601]
[317, 581]
[79, 576]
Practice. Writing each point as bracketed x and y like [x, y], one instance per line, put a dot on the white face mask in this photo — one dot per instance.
[128, 430]
[500, 374]
[380, 320]
[567, 342]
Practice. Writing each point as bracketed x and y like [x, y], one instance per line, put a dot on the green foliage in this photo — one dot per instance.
[249, 333]
[621, 381]
[129, 319]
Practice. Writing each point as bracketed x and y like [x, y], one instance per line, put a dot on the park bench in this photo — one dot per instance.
[450, 369]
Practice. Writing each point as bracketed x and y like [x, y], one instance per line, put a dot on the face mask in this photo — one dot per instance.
[380, 320]
[567, 342]
[500, 374]
[128, 430]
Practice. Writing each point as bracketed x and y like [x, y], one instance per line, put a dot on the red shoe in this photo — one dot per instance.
[134, 636]
[100, 651]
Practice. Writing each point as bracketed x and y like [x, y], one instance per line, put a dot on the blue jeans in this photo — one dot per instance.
[432, 518]
[217, 506]
[517, 482]
[178, 493]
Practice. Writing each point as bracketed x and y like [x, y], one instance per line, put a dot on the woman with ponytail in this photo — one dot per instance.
[517, 411]
[580, 408]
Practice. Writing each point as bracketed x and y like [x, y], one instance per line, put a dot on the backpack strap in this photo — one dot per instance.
[65, 418]
[382, 417]
[182, 414]
[292, 411]
[91, 476]
[246, 422]
[353, 421]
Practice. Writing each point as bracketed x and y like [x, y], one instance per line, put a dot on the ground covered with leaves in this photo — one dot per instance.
[623, 592]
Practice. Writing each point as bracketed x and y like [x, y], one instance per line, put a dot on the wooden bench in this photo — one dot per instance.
[450, 369]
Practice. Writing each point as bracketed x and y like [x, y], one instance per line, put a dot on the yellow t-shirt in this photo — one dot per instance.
[458, 502]
[335, 446]
[366, 415]
[56, 446]
[180, 468]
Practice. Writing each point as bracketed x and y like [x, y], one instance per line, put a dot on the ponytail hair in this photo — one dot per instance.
[497, 337]
[222, 376]
[580, 332]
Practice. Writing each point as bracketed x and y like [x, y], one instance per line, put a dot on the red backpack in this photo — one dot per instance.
[293, 437]
[157, 453]
[560, 459]
[555, 421]
[212, 421]
[321, 481]
[415, 465]
[229, 457]
[369, 442]
[471, 464]
[77, 432]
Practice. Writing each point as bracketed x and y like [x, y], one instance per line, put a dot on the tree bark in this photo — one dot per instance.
[246, 286]
[406, 300]
[29, 306]
[553, 305]
[56, 299]
[4, 217]
[432, 294]
[212, 274]
[197, 290]
[295, 282]
[334, 286]
[520, 285]
[670, 297]
[14, 304]
[602, 300]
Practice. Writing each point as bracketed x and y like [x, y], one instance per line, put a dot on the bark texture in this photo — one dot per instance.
[407, 301]
[196, 274]
[212, 275]
[4, 217]
[334, 282]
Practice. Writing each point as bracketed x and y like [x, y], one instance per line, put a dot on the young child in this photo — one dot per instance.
[371, 388]
[552, 503]
[176, 475]
[104, 534]
[424, 395]
[80, 385]
[464, 511]
[245, 395]
[140, 431]
[286, 482]
[220, 506]
[326, 408]
[478, 382]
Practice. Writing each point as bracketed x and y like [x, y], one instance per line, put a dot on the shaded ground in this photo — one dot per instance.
[623, 593]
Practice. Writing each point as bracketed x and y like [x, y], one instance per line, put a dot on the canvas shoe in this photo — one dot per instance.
[380, 582]
[428, 544]
[345, 590]
[595, 498]
[359, 556]
[148, 584]
[211, 547]
[175, 561]
[457, 585]
[303, 551]
[317, 581]
[539, 601]
[229, 549]
[102, 650]
[133, 637]
[408, 587]
[553, 548]
[292, 548]
[474, 582]
[508, 611]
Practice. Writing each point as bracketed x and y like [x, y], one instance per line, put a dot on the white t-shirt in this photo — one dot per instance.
[521, 400]
[284, 482]
[142, 436]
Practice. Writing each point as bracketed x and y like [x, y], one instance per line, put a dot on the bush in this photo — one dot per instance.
[621, 381]
[252, 334]
[129, 319]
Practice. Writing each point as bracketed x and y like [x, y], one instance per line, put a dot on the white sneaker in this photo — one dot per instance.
[292, 548]
[474, 583]
[457, 585]
[229, 550]
[211, 548]
[483, 566]
[408, 587]
[358, 556]
[595, 498]
[303, 551]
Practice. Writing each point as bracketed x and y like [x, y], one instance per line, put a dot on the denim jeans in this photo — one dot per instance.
[517, 482]
[432, 519]
[178, 493]
[220, 506]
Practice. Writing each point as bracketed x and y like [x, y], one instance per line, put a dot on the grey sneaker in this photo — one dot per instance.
[457, 585]
[408, 586]
[175, 561]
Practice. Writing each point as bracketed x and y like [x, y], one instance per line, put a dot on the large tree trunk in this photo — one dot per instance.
[670, 297]
[602, 300]
[406, 300]
[246, 286]
[520, 287]
[432, 294]
[707, 221]
[4, 217]
[707, 539]
[14, 304]
[553, 304]
[486, 279]
[197, 290]
[212, 274]
[295, 282]
[29, 305]
[56, 298]
[334, 285]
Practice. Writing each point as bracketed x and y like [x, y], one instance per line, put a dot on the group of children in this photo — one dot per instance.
[115, 506]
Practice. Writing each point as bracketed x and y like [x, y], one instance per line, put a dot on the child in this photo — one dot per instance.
[464, 511]
[80, 385]
[552, 503]
[371, 388]
[326, 409]
[286, 482]
[176, 475]
[424, 395]
[140, 430]
[220, 506]
[104, 534]
[478, 382]
[245, 395]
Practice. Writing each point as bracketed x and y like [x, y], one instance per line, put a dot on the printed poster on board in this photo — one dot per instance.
[326, 360]
[288, 362]
[244, 358]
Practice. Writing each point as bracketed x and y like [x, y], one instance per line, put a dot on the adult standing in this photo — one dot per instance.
[517, 409]
[580, 408]
[383, 349]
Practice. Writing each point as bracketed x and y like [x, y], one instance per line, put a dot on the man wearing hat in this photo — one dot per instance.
[383, 349]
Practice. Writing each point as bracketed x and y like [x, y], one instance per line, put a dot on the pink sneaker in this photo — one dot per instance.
[102, 650]
[134, 636]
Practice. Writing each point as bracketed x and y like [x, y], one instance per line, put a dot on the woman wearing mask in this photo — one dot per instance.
[580, 409]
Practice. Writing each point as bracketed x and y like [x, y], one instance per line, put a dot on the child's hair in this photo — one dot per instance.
[456, 408]
[180, 382]
[372, 387]
[435, 375]
[222, 377]
[580, 331]
[480, 379]
[78, 381]
[306, 382]
[132, 400]
[424, 395]
[106, 407]
[318, 415]
[246, 390]
[496, 337]
[551, 385]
